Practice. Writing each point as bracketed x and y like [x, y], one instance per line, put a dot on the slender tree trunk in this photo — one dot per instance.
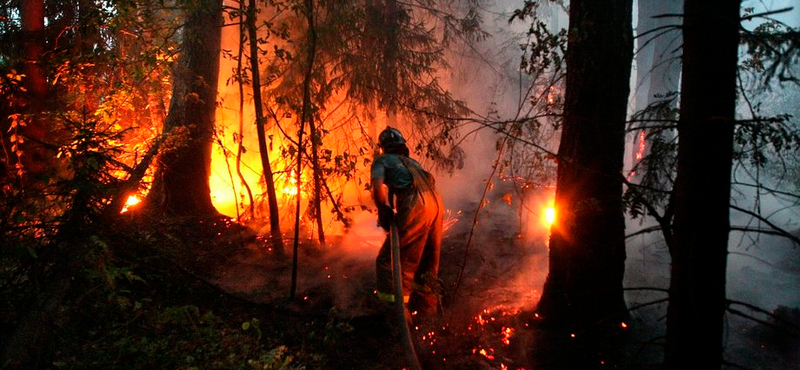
[240, 146]
[702, 187]
[587, 246]
[180, 186]
[316, 140]
[274, 216]
[306, 116]
[315, 135]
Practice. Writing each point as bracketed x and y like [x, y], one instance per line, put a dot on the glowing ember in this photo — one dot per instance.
[507, 334]
[551, 95]
[132, 201]
[484, 353]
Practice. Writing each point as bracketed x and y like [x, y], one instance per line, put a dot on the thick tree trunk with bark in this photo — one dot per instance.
[35, 157]
[181, 185]
[587, 242]
[702, 187]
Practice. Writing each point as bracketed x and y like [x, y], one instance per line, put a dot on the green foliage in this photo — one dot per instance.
[544, 50]
[276, 359]
[773, 52]
[760, 139]
[138, 334]
[656, 176]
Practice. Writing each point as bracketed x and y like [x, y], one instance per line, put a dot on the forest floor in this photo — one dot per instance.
[211, 294]
[335, 321]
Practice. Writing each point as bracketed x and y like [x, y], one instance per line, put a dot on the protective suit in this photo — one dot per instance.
[410, 198]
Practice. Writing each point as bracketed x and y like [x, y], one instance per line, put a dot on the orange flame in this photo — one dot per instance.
[130, 202]
[291, 185]
[642, 145]
[550, 215]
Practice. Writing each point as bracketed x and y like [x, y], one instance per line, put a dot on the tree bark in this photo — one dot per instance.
[180, 186]
[587, 247]
[35, 156]
[702, 187]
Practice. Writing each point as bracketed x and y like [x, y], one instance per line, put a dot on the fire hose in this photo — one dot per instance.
[399, 304]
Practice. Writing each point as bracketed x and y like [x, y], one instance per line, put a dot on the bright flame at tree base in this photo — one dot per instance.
[130, 202]
[550, 215]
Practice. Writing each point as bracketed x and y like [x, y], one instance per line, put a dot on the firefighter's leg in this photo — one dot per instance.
[413, 221]
[427, 289]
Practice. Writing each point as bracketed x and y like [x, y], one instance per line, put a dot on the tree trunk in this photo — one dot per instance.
[306, 115]
[587, 246]
[702, 186]
[35, 157]
[316, 140]
[274, 216]
[180, 186]
[314, 134]
[240, 84]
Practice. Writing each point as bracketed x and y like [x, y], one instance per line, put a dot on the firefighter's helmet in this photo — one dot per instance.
[391, 137]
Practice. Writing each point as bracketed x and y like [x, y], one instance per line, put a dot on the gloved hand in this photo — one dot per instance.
[385, 216]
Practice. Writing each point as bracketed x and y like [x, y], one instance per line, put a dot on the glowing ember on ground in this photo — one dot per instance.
[484, 353]
[507, 334]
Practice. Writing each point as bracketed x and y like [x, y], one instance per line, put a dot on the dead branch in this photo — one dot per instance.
[777, 318]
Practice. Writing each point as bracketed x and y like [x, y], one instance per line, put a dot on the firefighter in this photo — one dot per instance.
[404, 192]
